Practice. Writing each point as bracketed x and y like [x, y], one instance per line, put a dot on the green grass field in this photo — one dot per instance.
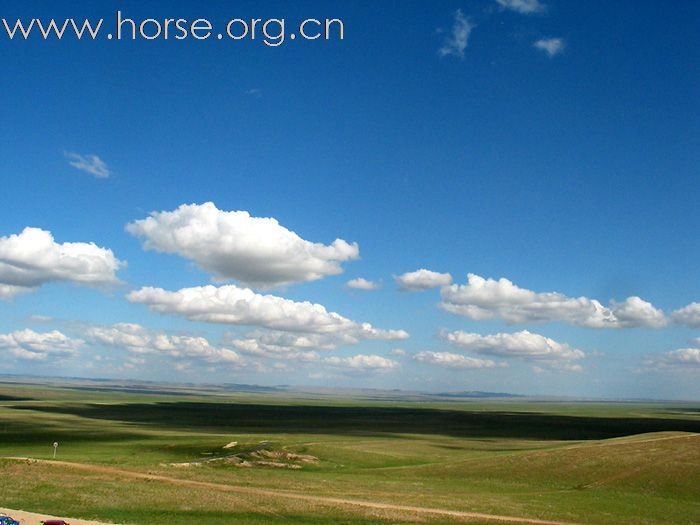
[578, 462]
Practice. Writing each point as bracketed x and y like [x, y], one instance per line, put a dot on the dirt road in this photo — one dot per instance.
[327, 500]
[31, 518]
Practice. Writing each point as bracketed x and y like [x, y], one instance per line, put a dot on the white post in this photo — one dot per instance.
[55, 448]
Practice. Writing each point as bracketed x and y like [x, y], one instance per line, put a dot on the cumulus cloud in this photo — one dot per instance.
[292, 341]
[236, 352]
[635, 311]
[91, 164]
[688, 315]
[8, 291]
[398, 352]
[457, 39]
[256, 251]
[296, 346]
[450, 360]
[550, 46]
[34, 346]
[292, 346]
[136, 339]
[484, 298]
[286, 330]
[523, 345]
[305, 349]
[241, 306]
[32, 258]
[422, 279]
[362, 284]
[258, 347]
[362, 363]
[681, 359]
[302, 349]
[525, 7]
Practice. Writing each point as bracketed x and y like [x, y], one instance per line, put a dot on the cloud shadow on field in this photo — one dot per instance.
[366, 421]
[14, 398]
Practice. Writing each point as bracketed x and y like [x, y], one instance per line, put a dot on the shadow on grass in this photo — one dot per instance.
[683, 410]
[366, 421]
[33, 433]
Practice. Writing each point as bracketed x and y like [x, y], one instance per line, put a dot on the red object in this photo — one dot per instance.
[55, 522]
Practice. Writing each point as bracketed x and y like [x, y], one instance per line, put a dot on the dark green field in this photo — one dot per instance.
[576, 462]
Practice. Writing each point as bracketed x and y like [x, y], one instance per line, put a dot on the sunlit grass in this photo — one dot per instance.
[588, 463]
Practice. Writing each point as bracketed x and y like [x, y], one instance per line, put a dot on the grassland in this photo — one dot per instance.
[575, 462]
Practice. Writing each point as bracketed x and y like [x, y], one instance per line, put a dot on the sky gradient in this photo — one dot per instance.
[481, 195]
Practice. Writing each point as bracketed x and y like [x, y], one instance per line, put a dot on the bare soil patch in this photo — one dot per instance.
[32, 518]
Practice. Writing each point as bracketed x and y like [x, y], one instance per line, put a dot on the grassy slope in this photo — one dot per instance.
[511, 457]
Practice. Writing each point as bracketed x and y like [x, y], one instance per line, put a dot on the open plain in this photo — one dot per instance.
[175, 455]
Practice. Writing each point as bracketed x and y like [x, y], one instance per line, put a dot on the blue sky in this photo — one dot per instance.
[436, 136]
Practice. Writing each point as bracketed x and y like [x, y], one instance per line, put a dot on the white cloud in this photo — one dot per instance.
[456, 41]
[258, 348]
[501, 299]
[299, 346]
[300, 340]
[688, 315]
[364, 363]
[559, 365]
[398, 352]
[525, 7]
[362, 284]
[233, 245]
[133, 363]
[8, 291]
[524, 345]
[681, 359]
[291, 346]
[33, 258]
[136, 339]
[357, 364]
[287, 329]
[551, 46]
[33, 346]
[278, 341]
[305, 348]
[37, 318]
[91, 164]
[241, 306]
[635, 311]
[449, 360]
[422, 280]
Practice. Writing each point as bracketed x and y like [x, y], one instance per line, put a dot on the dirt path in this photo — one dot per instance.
[32, 518]
[342, 502]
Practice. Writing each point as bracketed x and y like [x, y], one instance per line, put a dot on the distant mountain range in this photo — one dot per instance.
[476, 394]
